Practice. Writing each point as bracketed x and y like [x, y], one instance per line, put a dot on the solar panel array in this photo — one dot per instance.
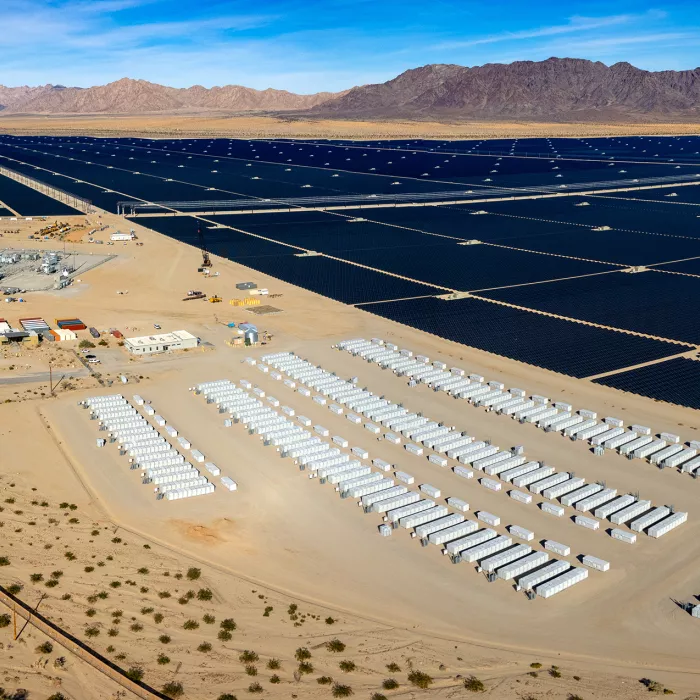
[520, 235]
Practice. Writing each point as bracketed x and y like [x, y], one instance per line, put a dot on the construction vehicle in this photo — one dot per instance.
[192, 294]
[215, 299]
[206, 260]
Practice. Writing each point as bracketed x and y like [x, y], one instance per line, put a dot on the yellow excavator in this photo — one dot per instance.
[215, 299]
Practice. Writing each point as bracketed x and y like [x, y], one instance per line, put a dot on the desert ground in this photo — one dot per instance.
[75, 514]
[266, 126]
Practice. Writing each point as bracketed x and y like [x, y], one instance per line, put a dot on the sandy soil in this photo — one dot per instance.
[290, 540]
[254, 126]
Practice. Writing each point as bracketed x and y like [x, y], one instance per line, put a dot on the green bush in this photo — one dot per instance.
[173, 689]
[390, 684]
[204, 647]
[164, 639]
[247, 656]
[4, 561]
[193, 574]
[85, 344]
[420, 679]
[92, 632]
[228, 624]
[158, 618]
[347, 666]
[473, 684]
[324, 680]
[209, 619]
[342, 691]
[224, 636]
[302, 654]
[5, 621]
[45, 648]
[335, 645]
[393, 667]
[305, 668]
[163, 659]
[255, 688]
[191, 624]
[135, 673]
[251, 670]
[275, 679]
[274, 664]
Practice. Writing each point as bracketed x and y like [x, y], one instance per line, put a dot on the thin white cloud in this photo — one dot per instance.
[575, 24]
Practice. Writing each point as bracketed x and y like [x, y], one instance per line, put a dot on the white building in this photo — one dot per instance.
[162, 342]
[122, 236]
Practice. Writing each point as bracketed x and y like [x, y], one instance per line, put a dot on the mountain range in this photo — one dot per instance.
[561, 89]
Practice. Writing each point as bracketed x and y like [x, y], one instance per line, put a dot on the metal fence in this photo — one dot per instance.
[80, 649]
[72, 200]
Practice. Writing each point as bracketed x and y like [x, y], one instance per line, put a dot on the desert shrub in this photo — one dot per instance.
[193, 574]
[554, 672]
[377, 696]
[209, 619]
[51, 583]
[324, 680]
[56, 574]
[183, 600]
[342, 691]
[5, 620]
[91, 612]
[393, 667]
[335, 645]
[35, 578]
[390, 684]
[305, 668]
[4, 561]
[146, 611]
[251, 670]
[204, 647]
[255, 688]
[158, 618]
[224, 636]
[164, 594]
[274, 664]
[330, 621]
[191, 624]
[85, 344]
[204, 594]
[346, 666]
[420, 679]
[66, 596]
[136, 627]
[571, 696]
[14, 588]
[302, 654]
[226, 696]
[45, 648]
[135, 673]
[536, 665]
[228, 624]
[275, 679]
[92, 632]
[163, 659]
[89, 569]
[164, 639]
[473, 684]
[173, 689]
[103, 595]
[143, 570]
[115, 584]
[247, 656]
[113, 632]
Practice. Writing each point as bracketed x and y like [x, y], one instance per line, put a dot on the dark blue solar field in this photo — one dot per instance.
[674, 381]
[28, 202]
[556, 222]
[561, 346]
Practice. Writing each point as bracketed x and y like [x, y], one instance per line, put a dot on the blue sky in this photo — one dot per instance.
[313, 45]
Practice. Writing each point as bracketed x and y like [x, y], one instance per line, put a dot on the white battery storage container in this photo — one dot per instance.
[670, 437]
[589, 523]
[490, 564]
[149, 410]
[595, 500]
[413, 449]
[449, 534]
[486, 549]
[273, 401]
[381, 464]
[623, 536]
[522, 566]
[490, 484]
[616, 504]
[488, 518]
[184, 442]
[396, 514]
[552, 509]
[393, 438]
[554, 568]
[229, 483]
[521, 533]
[159, 420]
[197, 456]
[290, 383]
[464, 472]
[306, 422]
[520, 496]
[562, 550]
[437, 459]
[304, 391]
[456, 546]
[372, 428]
[430, 490]
[353, 418]
[579, 494]
[628, 513]
[361, 452]
[667, 524]
[288, 411]
[533, 476]
[334, 408]
[423, 517]
[212, 468]
[404, 477]
[446, 522]
[561, 583]
[658, 513]
[458, 504]
[595, 563]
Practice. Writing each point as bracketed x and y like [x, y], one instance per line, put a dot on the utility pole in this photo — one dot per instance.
[14, 619]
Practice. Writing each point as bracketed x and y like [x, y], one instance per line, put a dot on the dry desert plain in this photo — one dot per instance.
[226, 125]
[283, 540]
